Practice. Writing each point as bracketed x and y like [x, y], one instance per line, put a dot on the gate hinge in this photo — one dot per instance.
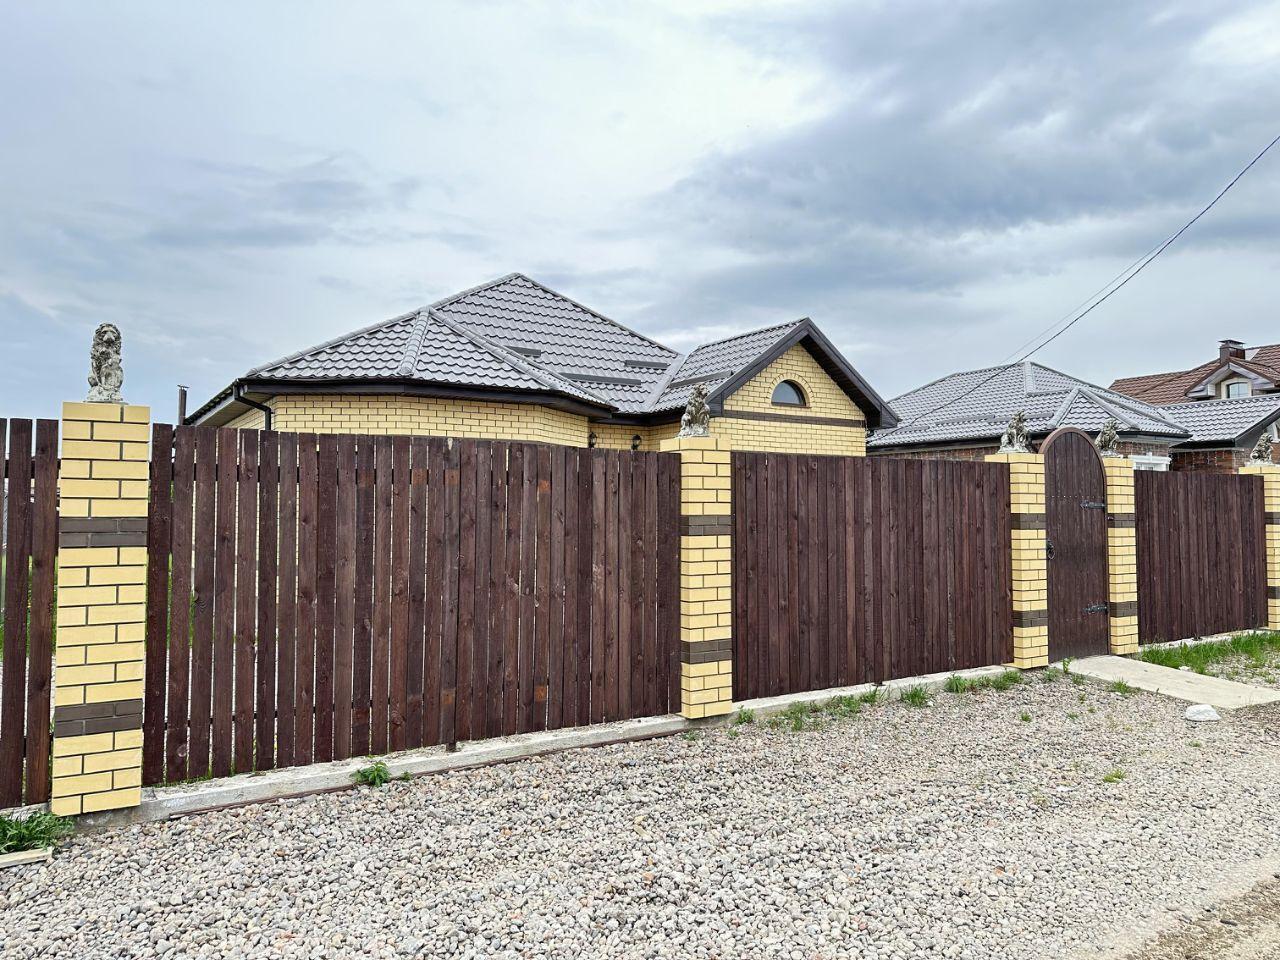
[1096, 608]
[1093, 505]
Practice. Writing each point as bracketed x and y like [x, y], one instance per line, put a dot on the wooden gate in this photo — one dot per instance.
[1076, 521]
[1201, 554]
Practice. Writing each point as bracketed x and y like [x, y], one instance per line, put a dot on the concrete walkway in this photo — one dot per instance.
[1179, 684]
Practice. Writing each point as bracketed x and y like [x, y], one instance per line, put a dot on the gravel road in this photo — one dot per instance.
[980, 826]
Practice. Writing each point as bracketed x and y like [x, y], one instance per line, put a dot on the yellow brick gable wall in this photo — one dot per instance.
[824, 399]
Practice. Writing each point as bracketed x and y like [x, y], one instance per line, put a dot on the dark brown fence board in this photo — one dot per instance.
[326, 575]
[287, 598]
[488, 459]
[266, 641]
[528, 556]
[434, 532]
[414, 658]
[469, 462]
[159, 543]
[246, 601]
[382, 573]
[362, 642]
[344, 613]
[224, 610]
[450, 506]
[304, 675]
[400, 493]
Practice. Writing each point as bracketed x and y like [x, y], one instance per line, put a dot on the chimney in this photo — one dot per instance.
[1230, 350]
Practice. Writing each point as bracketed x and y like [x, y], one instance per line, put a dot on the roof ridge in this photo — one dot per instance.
[414, 347]
[546, 377]
[665, 380]
[950, 376]
[746, 333]
[1275, 397]
[444, 302]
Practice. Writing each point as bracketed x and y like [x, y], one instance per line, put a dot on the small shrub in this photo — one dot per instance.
[1115, 776]
[32, 832]
[374, 775]
[916, 696]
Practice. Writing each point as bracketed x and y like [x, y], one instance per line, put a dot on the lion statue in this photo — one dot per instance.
[696, 421]
[1107, 438]
[1015, 439]
[106, 374]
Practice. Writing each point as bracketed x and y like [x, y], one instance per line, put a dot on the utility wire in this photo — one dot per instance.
[1123, 277]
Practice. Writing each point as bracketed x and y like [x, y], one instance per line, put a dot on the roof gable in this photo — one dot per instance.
[1221, 421]
[1177, 386]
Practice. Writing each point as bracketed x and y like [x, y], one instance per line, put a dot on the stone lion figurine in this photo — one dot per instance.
[1107, 439]
[696, 421]
[106, 374]
[1262, 449]
[1015, 439]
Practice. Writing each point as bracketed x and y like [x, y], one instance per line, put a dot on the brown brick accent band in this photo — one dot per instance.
[1029, 521]
[705, 651]
[102, 532]
[1272, 518]
[1122, 520]
[788, 418]
[1123, 608]
[80, 719]
[1030, 618]
[706, 525]
[1273, 593]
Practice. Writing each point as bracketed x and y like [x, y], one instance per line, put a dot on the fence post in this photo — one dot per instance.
[1270, 474]
[1122, 555]
[102, 574]
[706, 559]
[1030, 565]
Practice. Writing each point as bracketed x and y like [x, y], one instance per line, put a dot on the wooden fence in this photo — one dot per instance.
[1201, 554]
[853, 570]
[321, 597]
[30, 543]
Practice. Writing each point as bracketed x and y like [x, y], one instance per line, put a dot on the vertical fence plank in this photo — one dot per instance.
[44, 548]
[16, 587]
[287, 602]
[415, 652]
[468, 493]
[224, 607]
[326, 579]
[246, 603]
[437, 454]
[399, 655]
[159, 543]
[268, 573]
[450, 507]
[380, 680]
[528, 547]
[344, 614]
[362, 640]
[304, 676]
[487, 462]
[542, 588]
[556, 640]
[496, 634]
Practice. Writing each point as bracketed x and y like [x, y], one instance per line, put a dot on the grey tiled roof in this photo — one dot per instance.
[713, 363]
[944, 411]
[1225, 420]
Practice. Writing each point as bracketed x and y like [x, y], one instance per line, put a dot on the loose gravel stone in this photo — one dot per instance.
[977, 827]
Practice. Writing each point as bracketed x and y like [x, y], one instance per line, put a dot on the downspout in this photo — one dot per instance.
[238, 394]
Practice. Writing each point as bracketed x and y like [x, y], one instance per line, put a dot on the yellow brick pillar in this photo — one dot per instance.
[1270, 474]
[102, 575]
[1030, 564]
[1122, 555]
[706, 559]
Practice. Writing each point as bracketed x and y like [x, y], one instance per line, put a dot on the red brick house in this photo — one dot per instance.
[1226, 403]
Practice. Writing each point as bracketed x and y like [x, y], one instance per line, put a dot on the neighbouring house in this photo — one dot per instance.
[1226, 403]
[515, 360]
[962, 416]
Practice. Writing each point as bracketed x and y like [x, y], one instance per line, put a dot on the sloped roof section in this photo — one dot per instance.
[559, 334]
[714, 363]
[1172, 387]
[1226, 421]
[977, 405]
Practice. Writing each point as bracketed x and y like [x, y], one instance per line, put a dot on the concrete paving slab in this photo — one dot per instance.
[1179, 684]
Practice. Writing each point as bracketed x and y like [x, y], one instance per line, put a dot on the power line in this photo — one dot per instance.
[1123, 277]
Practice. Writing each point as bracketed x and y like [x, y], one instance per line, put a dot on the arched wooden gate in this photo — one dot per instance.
[1076, 522]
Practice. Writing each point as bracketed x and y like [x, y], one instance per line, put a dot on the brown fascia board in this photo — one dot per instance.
[879, 415]
[417, 388]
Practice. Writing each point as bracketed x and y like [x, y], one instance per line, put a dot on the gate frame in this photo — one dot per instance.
[1122, 555]
[1028, 534]
[1270, 474]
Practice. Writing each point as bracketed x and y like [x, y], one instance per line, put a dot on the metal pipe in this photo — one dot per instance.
[238, 393]
[182, 404]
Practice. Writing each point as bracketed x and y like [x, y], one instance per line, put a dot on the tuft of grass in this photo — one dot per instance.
[871, 697]
[745, 715]
[1256, 647]
[1066, 664]
[692, 735]
[843, 707]
[1073, 716]
[1196, 743]
[1024, 717]
[1122, 688]
[916, 696]
[32, 832]
[957, 684]
[1115, 776]
[374, 775]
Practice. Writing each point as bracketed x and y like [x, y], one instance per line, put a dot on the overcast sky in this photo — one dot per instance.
[932, 183]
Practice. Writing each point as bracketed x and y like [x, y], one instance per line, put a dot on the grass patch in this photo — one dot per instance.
[692, 735]
[1255, 647]
[33, 832]
[1001, 681]
[916, 696]
[374, 775]
[1122, 688]
[745, 715]
[1115, 776]
[957, 684]
[1024, 717]
[813, 715]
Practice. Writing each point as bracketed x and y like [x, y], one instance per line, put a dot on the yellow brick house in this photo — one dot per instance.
[515, 360]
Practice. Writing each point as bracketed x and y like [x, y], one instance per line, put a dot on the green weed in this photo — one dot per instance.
[33, 832]
[374, 775]
[1256, 647]
[916, 696]
[1024, 717]
[745, 715]
[1115, 776]
[1122, 688]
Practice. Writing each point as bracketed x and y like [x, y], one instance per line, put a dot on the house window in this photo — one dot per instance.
[1235, 388]
[1149, 461]
[788, 394]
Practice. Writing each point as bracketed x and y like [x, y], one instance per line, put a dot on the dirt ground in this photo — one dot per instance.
[1246, 928]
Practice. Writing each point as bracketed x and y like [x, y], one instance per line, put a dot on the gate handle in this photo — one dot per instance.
[1048, 549]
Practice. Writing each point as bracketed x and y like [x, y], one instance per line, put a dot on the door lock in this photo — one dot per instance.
[1048, 549]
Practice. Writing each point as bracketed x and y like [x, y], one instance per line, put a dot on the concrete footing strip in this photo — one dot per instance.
[163, 803]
